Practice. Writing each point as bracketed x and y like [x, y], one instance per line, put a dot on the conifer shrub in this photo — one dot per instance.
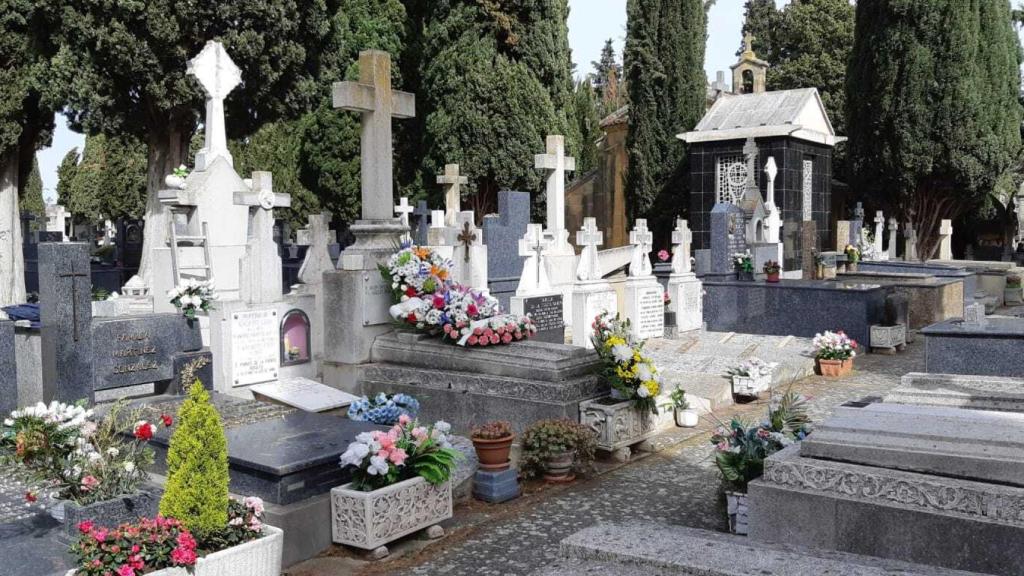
[197, 468]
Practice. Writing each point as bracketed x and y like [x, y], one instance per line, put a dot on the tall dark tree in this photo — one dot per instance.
[32, 193]
[607, 77]
[933, 111]
[588, 122]
[123, 67]
[66, 172]
[664, 59]
[761, 19]
[110, 181]
[276, 148]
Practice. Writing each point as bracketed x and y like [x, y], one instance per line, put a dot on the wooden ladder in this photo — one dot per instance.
[177, 242]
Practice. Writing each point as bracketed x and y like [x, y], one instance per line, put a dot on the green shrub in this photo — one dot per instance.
[549, 438]
[197, 468]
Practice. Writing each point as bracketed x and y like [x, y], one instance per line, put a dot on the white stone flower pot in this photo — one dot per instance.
[174, 182]
[891, 338]
[687, 418]
[369, 520]
[750, 385]
[736, 507]
[619, 424]
[260, 557]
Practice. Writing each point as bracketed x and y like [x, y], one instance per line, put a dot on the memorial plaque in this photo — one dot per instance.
[304, 394]
[546, 312]
[255, 356]
[128, 351]
[376, 299]
[650, 319]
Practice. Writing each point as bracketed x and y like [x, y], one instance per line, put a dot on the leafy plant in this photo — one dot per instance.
[496, 430]
[743, 262]
[100, 294]
[405, 451]
[625, 367]
[677, 400]
[197, 467]
[772, 267]
[550, 438]
[144, 546]
[1013, 281]
[834, 346]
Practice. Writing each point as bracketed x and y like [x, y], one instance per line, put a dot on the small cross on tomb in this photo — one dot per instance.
[682, 239]
[373, 97]
[218, 75]
[403, 209]
[74, 301]
[642, 240]
[467, 237]
[589, 237]
[261, 194]
[748, 43]
[533, 245]
[557, 164]
[452, 182]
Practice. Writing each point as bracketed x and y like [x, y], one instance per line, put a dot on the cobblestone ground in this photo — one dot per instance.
[679, 485]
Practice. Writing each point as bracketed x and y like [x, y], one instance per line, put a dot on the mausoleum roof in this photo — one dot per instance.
[796, 113]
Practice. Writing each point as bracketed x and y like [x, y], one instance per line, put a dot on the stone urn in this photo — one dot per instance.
[494, 454]
[558, 468]
[835, 368]
[687, 418]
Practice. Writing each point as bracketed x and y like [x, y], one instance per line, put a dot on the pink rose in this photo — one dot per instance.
[472, 341]
[495, 338]
[183, 556]
[89, 482]
[419, 433]
[126, 570]
[506, 338]
[663, 255]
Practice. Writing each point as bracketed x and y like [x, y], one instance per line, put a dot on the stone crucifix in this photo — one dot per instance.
[218, 75]
[467, 237]
[260, 278]
[373, 97]
[682, 239]
[74, 276]
[317, 235]
[556, 163]
[533, 245]
[452, 182]
[642, 240]
[879, 231]
[589, 238]
[403, 209]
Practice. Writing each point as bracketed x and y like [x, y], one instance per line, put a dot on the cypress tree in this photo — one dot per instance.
[588, 122]
[66, 172]
[933, 110]
[110, 180]
[606, 79]
[664, 59]
[32, 193]
[761, 19]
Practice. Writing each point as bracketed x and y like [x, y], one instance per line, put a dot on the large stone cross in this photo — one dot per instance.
[218, 75]
[452, 182]
[642, 240]
[589, 238]
[377, 104]
[557, 164]
[533, 245]
[74, 276]
[317, 236]
[403, 209]
[260, 278]
[682, 239]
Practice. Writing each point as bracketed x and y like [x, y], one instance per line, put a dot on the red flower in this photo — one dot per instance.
[410, 291]
[31, 497]
[471, 309]
[167, 419]
[143, 430]
[182, 556]
[85, 526]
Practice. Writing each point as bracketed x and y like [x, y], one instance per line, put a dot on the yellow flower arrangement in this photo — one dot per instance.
[631, 374]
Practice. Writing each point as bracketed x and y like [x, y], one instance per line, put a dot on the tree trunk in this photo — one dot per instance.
[166, 150]
[932, 203]
[12, 260]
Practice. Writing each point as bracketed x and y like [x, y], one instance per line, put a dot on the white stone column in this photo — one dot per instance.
[879, 232]
[893, 228]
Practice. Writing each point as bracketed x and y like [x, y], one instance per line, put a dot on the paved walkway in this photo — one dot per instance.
[677, 486]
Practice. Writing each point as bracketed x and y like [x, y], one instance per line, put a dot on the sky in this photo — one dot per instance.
[591, 22]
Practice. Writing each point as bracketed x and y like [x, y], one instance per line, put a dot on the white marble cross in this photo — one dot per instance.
[403, 210]
[218, 75]
[682, 239]
[642, 240]
[373, 97]
[534, 245]
[589, 238]
[946, 240]
[317, 236]
[879, 231]
[452, 182]
[893, 228]
[557, 164]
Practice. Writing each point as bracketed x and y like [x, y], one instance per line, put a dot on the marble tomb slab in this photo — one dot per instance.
[960, 391]
[995, 349]
[304, 394]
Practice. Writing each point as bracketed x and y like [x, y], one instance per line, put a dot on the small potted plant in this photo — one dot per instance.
[852, 257]
[176, 179]
[409, 467]
[685, 416]
[834, 352]
[555, 448]
[772, 270]
[1013, 294]
[493, 443]
[741, 449]
[750, 378]
[743, 263]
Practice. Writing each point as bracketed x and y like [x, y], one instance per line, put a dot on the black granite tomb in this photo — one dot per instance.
[8, 369]
[65, 305]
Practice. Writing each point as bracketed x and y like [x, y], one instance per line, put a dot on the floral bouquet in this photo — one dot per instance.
[741, 448]
[135, 548]
[405, 451]
[753, 368]
[834, 346]
[852, 253]
[743, 262]
[428, 300]
[666, 299]
[193, 296]
[632, 375]
[383, 409]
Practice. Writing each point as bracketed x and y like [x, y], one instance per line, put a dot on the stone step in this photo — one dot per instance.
[660, 550]
[960, 391]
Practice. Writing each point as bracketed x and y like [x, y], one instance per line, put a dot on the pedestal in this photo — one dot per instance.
[687, 296]
[589, 299]
[645, 307]
[561, 267]
[496, 487]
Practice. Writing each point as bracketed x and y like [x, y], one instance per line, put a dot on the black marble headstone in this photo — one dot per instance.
[420, 223]
[546, 312]
[128, 351]
[8, 369]
[65, 307]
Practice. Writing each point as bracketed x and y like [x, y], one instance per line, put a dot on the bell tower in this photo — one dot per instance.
[750, 73]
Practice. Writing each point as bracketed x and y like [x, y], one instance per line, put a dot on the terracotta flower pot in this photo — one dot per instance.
[773, 277]
[558, 468]
[835, 368]
[493, 454]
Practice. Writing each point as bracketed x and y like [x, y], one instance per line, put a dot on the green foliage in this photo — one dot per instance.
[761, 19]
[27, 98]
[110, 180]
[588, 121]
[66, 172]
[664, 63]
[607, 79]
[197, 467]
[547, 439]
[32, 193]
[933, 110]
[495, 430]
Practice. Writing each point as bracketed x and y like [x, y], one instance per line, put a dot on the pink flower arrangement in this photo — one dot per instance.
[407, 450]
[663, 255]
[133, 549]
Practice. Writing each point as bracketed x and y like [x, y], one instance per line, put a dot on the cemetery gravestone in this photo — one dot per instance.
[893, 229]
[645, 305]
[403, 209]
[808, 247]
[727, 225]
[452, 182]
[561, 257]
[304, 394]
[591, 296]
[946, 240]
[501, 234]
[684, 288]
[8, 369]
[469, 257]
[420, 223]
[910, 253]
[254, 347]
[65, 305]
[534, 293]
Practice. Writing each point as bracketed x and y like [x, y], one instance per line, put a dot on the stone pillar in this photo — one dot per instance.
[879, 231]
[685, 290]
[893, 228]
[946, 240]
[910, 236]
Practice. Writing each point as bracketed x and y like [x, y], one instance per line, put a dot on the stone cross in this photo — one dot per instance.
[946, 240]
[317, 235]
[910, 235]
[642, 240]
[403, 210]
[377, 104]
[421, 222]
[557, 164]
[452, 182]
[534, 245]
[773, 222]
[260, 277]
[1018, 204]
[879, 231]
[858, 212]
[218, 75]
[682, 239]
[750, 153]
[74, 276]
[893, 228]
[589, 238]
[748, 43]
[467, 236]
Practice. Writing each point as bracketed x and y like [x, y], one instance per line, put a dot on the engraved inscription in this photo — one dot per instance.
[132, 346]
[254, 347]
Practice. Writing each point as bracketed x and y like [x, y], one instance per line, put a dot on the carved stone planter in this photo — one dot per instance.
[736, 507]
[888, 338]
[750, 386]
[260, 557]
[369, 520]
[619, 424]
[110, 513]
